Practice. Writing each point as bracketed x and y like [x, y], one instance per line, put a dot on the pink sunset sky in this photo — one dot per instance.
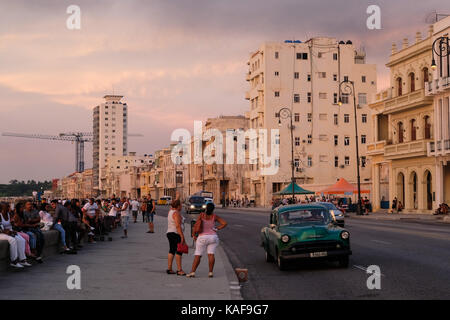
[174, 61]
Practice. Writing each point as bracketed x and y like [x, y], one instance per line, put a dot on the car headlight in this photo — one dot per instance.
[192, 206]
[204, 206]
[285, 238]
[345, 235]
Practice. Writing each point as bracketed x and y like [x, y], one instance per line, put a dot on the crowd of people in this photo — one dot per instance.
[23, 224]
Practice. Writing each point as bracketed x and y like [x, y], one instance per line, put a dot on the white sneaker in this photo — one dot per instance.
[191, 275]
[92, 228]
[26, 264]
[16, 265]
[90, 234]
[210, 275]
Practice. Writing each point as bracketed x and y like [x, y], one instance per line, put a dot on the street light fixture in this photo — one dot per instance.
[348, 87]
[442, 50]
[287, 113]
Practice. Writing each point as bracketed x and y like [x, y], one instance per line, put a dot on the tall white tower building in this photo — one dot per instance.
[110, 134]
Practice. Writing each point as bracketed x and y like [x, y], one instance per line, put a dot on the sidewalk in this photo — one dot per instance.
[384, 215]
[133, 268]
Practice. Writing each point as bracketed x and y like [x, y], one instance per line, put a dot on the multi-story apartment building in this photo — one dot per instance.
[225, 181]
[403, 126]
[439, 89]
[110, 134]
[304, 77]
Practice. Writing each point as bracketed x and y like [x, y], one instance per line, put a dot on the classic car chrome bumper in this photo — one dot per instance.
[330, 254]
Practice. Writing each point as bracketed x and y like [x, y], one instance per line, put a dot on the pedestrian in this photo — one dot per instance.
[134, 209]
[207, 239]
[394, 205]
[175, 236]
[125, 216]
[150, 207]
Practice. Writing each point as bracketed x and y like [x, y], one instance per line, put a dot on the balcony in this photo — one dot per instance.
[437, 86]
[410, 100]
[406, 150]
[438, 148]
[375, 148]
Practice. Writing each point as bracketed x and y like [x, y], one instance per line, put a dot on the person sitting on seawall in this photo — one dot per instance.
[443, 209]
[17, 243]
[207, 239]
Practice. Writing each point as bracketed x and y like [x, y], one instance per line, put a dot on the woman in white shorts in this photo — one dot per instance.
[207, 240]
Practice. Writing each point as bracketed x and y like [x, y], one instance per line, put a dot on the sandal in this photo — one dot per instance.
[191, 275]
[170, 271]
[181, 273]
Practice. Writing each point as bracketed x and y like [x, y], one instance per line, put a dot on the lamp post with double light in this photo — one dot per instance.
[348, 88]
[441, 47]
[285, 113]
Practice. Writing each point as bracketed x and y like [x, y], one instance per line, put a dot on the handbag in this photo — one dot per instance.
[182, 247]
[198, 226]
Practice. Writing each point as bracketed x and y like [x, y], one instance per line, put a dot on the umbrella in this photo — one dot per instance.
[297, 190]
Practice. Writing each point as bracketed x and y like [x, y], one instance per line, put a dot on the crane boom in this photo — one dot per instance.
[44, 136]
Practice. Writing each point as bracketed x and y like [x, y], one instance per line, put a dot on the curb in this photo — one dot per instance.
[235, 288]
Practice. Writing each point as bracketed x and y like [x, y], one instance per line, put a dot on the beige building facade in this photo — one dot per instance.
[439, 88]
[305, 77]
[403, 121]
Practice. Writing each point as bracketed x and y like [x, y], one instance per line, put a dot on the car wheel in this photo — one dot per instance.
[343, 262]
[281, 263]
[269, 257]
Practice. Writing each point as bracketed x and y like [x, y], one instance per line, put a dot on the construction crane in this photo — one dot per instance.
[78, 137]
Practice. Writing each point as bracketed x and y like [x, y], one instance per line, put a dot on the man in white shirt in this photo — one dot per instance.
[134, 209]
[89, 212]
[125, 215]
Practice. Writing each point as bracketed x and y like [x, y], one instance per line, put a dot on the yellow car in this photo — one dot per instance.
[166, 200]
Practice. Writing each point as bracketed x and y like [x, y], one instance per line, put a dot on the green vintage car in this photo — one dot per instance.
[304, 231]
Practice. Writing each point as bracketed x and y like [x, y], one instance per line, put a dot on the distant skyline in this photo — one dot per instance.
[174, 61]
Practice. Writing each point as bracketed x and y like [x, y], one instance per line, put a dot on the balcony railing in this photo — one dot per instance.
[410, 100]
[375, 148]
[406, 149]
[437, 86]
[440, 147]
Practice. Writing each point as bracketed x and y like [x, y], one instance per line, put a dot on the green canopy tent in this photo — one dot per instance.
[297, 190]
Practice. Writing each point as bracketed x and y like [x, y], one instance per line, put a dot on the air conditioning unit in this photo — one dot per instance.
[342, 166]
[299, 169]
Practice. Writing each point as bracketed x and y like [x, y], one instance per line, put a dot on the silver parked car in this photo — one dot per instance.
[335, 212]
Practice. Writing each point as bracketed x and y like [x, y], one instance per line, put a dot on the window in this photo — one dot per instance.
[309, 117]
[346, 118]
[322, 75]
[335, 56]
[345, 78]
[364, 118]
[336, 119]
[335, 98]
[296, 98]
[346, 141]
[363, 161]
[310, 163]
[277, 73]
[363, 79]
[347, 161]
[296, 75]
[296, 163]
[336, 162]
[277, 94]
[277, 54]
[344, 98]
[277, 139]
[362, 99]
[309, 138]
[297, 141]
[309, 97]
[297, 117]
[322, 95]
[319, 55]
[302, 55]
[305, 56]
[308, 77]
[336, 140]
[277, 162]
[334, 77]
[363, 139]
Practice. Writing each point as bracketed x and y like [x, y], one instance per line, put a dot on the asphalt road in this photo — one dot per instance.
[414, 260]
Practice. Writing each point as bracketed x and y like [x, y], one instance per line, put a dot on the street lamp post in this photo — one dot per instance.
[348, 87]
[442, 50]
[287, 113]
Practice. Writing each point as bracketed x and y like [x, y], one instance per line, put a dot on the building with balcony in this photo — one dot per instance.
[402, 121]
[439, 89]
[304, 77]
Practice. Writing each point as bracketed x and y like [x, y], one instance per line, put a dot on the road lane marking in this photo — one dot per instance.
[382, 242]
[364, 269]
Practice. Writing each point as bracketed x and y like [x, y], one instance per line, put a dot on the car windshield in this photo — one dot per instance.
[197, 200]
[305, 216]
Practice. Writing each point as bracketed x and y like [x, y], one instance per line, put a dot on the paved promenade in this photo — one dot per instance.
[133, 268]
